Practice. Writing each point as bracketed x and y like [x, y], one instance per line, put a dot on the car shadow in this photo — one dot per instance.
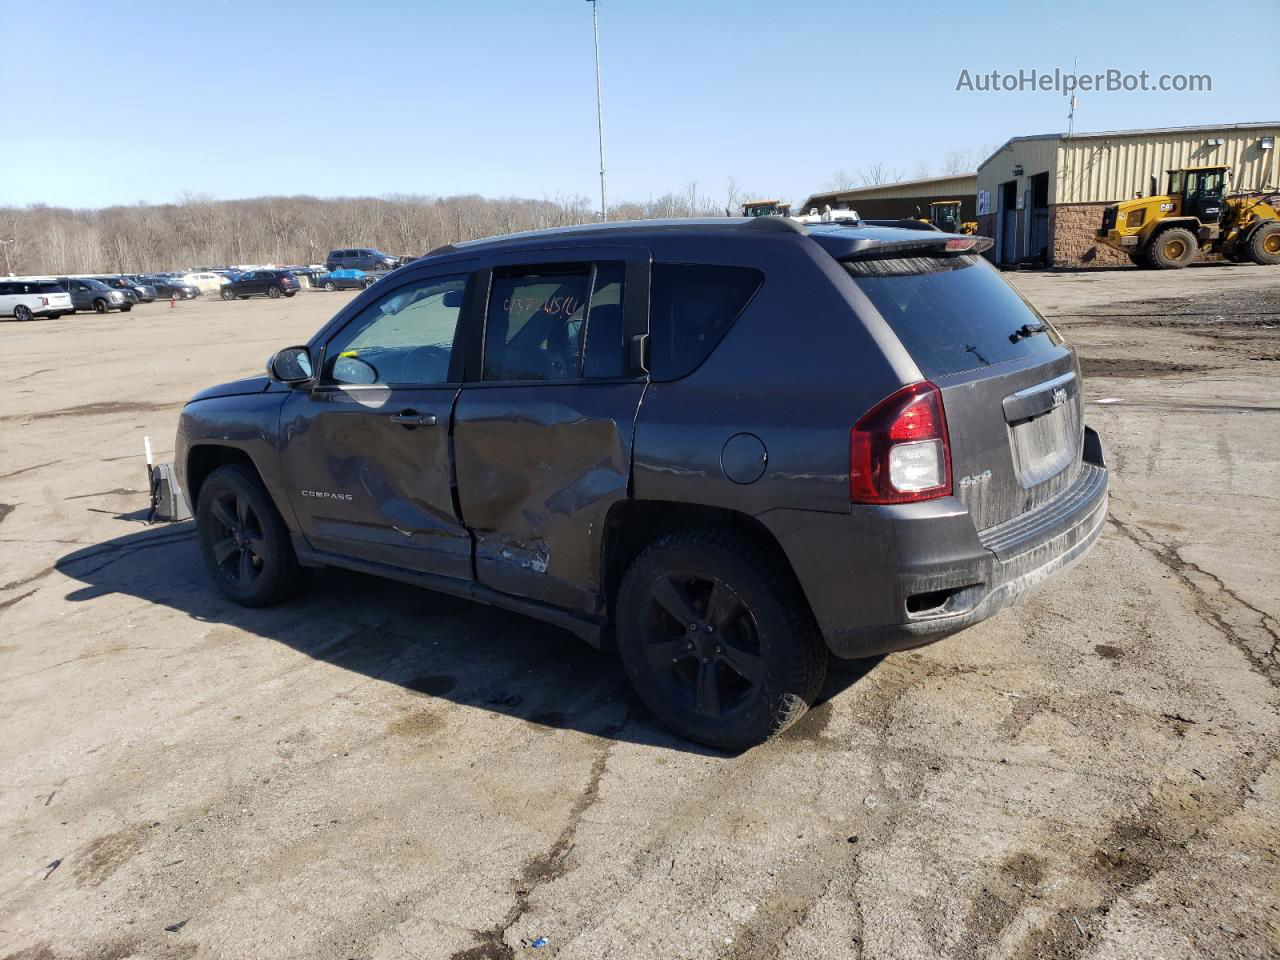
[435, 645]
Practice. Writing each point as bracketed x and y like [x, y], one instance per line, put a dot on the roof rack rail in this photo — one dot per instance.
[776, 224]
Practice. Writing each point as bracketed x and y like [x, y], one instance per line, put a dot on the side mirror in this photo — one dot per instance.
[291, 366]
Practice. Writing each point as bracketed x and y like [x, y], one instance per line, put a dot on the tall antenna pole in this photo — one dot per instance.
[595, 23]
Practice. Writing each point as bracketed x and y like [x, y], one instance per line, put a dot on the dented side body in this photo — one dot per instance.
[507, 492]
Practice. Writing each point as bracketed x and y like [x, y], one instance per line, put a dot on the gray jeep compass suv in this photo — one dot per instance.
[728, 448]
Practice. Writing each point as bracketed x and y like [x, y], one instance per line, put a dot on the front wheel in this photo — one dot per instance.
[245, 544]
[290, 293]
[100, 306]
[274, 292]
[228, 294]
[1173, 249]
[330, 286]
[126, 307]
[21, 312]
[1264, 245]
[718, 640]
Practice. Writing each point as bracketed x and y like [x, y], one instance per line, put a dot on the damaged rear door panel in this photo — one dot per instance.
[543, 426]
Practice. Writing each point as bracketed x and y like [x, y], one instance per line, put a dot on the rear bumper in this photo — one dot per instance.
[890, 578]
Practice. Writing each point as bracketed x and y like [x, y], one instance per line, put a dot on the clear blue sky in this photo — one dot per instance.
[140, 101]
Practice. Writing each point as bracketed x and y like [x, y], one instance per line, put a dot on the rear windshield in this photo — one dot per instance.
[48, 287]
[953, 314]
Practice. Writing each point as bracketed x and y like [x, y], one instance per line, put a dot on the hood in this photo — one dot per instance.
[236, 388]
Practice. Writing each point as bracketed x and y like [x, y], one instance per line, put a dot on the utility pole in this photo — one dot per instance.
[595, 23]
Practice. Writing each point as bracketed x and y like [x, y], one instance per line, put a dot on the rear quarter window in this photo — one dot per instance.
[691, 308]
[953, 314]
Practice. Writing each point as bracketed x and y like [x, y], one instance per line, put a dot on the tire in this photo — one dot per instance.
[100, 306]
[23, 312]
[748, 663]
[330, 286]
[126, 307]
[274, 292]
[1264, 245]
[228, 294]
[1139, 260]
[245, 544]
[290, 293]
[1173, 249]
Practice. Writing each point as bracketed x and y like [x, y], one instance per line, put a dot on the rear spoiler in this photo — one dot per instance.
[935, 245]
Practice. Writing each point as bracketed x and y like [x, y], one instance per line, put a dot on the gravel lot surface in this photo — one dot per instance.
[379, 772]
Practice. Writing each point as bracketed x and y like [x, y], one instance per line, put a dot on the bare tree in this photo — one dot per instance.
[878, 173]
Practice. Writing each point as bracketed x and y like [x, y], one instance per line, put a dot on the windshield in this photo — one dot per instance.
[953, 313]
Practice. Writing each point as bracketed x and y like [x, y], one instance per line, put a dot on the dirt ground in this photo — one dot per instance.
[378, 772]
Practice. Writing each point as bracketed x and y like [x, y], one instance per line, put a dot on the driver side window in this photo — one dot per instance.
[404, 338]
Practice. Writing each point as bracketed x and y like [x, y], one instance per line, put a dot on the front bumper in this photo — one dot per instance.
[891, 578]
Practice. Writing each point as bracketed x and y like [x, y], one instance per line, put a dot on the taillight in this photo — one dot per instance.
[899, 452]
[44, 301]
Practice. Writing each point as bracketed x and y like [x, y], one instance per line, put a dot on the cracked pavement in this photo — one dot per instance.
[379, 772]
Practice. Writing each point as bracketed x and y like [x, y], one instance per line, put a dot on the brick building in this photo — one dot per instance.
[1041, 197]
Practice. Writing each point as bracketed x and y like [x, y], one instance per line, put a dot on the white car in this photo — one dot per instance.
[205, 282]
[26, 299]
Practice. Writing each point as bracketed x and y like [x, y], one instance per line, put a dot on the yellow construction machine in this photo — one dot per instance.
[766, 208]
[945, 215]
[1196, 213]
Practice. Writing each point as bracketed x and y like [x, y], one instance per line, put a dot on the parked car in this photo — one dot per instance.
[271, 283]
[124, 286]
[28, 299]
[144, 292]
[344, 280]
[360, 258]
[205, 281]
[95, 295]
[168, 288]
[853, 440]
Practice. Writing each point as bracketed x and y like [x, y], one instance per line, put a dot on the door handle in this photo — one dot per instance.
[409, 418]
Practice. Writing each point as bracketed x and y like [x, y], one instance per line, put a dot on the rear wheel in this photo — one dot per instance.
[245, 544]
[717, 639]
[274, 292]
[1264, 245]
[1173, 249]
[21, 312]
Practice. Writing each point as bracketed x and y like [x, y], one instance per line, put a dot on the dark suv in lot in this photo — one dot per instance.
[270, 283]
[727, 447]
[360, 258]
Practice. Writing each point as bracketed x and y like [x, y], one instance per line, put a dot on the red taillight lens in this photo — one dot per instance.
[44, 301]
[899, 452]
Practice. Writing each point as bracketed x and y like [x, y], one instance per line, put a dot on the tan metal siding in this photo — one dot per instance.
[1036, 156]
[1101, 171]
[961, 186]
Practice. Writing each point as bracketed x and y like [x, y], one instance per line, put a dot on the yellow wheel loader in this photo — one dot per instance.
[766, 208]
[945, 215]
[1196, 213]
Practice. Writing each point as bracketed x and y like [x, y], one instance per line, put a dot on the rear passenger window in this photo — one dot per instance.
[534, 327]
[692, 307]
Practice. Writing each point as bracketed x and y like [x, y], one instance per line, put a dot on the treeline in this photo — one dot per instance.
[201, 231]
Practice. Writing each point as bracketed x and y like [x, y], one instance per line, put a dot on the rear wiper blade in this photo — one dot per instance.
[1027, 330]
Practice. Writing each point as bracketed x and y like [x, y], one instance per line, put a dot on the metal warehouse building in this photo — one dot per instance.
[910, 198]
[1041, 197]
